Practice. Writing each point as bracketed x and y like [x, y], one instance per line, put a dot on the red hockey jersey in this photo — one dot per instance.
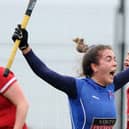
[7, 109]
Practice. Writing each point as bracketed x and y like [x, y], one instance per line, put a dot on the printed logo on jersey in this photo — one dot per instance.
[95, 97]
[103, 123]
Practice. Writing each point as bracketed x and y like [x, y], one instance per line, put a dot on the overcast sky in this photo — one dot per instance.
[50, 12]
[64, 1]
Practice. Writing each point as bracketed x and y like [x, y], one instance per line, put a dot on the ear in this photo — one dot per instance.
[94, 67]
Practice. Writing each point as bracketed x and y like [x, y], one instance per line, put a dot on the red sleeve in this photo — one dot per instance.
[127, 108]
[128, 101]
[6, 82]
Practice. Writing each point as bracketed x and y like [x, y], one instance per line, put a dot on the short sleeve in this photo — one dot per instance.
[6, 82]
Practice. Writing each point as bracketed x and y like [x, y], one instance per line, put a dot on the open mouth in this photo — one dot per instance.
[112, 72]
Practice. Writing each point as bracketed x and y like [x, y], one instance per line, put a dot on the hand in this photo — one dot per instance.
[21, 34]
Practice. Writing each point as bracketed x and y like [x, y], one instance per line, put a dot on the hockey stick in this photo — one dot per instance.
[24, 23]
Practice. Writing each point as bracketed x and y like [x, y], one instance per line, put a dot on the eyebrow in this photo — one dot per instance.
[110, 57]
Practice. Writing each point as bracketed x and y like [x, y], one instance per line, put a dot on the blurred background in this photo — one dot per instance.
[52, 26]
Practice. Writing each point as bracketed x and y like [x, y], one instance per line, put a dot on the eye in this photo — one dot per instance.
[108, 58]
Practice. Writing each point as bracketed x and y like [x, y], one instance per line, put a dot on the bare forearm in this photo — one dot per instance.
[21, 114]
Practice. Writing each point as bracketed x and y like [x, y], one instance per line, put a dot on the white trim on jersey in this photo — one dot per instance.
[84, 123]
[72, 122]
[84, 114]
[7, 84]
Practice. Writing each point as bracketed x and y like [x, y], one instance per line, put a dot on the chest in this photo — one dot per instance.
[98, 103]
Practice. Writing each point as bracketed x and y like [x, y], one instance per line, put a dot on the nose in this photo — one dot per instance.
[114, 63]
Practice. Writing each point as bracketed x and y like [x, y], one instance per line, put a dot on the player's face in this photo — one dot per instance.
[104, 71]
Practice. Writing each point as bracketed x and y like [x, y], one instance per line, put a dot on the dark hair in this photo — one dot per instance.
[81, 45]
[92, 55]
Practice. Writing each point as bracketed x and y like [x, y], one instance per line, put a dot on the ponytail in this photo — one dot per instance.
[81, 47]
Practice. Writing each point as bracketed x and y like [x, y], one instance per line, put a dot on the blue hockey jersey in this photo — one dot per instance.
[94, 107]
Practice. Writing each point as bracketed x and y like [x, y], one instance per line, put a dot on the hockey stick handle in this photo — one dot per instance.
[24, 23]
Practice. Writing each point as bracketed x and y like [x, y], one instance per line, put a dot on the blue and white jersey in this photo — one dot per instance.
[94, 106]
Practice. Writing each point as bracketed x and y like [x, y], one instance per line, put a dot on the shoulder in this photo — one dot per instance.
[80, 82]
[6, 82]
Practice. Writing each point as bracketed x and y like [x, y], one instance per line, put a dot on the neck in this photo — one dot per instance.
[98, 81]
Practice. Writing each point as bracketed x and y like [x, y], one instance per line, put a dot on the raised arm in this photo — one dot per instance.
[61, 82]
